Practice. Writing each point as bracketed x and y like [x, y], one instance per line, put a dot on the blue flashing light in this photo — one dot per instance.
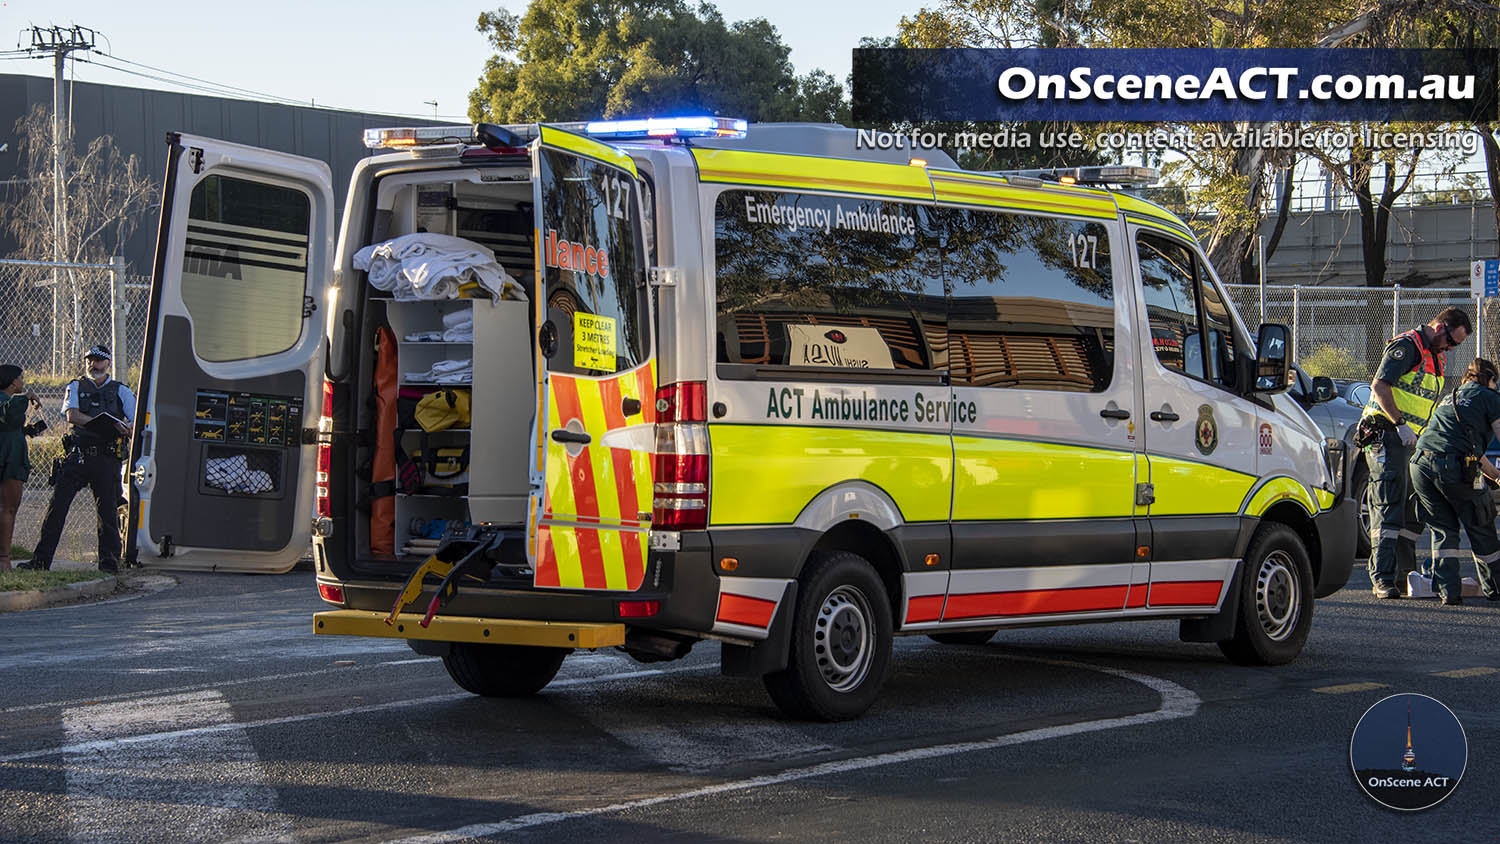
[668, 127]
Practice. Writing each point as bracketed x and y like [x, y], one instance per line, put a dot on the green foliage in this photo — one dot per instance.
[31, 581]
[583, 59]
[19, 552]
[1334, 362]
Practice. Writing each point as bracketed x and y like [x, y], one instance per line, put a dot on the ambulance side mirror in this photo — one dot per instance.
[1272, 359]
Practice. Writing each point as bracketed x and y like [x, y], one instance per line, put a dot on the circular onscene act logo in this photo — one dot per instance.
[1408, 752]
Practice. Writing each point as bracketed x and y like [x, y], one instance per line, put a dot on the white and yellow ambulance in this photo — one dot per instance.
[748, 384]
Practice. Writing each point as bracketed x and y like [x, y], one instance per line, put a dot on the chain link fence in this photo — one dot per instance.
[50, 314]
[1341, 332]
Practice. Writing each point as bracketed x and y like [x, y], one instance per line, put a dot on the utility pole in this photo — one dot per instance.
[59, 42]
[432, 103]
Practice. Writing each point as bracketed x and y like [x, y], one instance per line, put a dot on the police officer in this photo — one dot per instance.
[93, 460]
[1445, 472]
[1403, 393]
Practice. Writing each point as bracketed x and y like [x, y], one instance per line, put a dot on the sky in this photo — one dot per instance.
[390, 57]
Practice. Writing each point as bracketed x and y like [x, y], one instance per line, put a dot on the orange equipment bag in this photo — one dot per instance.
[383, 472]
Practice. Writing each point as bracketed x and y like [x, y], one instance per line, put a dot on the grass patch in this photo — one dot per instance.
[25, 581]
[19, 552]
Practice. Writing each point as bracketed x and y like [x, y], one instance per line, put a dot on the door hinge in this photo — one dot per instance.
[309, 305]
[195, 159]
[312, 436]
[1145, 495]
[663, 276]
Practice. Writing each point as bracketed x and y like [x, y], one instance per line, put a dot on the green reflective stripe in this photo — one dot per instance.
[766, 474]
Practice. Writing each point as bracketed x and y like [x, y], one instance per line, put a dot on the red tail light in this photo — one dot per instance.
[333, 593]
[639, 609]
[325, 454]
[681, 460]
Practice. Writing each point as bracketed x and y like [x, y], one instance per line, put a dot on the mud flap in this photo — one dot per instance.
[1220, 626]
[770, 654]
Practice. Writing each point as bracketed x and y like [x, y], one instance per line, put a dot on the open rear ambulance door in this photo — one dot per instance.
[591, 462]
[223, 457]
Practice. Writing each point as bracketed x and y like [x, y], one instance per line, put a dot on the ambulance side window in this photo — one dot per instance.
[244, 271]
[1192, 328]
[1033, 301]
[827, 282]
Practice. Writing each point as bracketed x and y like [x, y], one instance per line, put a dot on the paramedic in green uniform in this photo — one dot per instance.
[1445, 470]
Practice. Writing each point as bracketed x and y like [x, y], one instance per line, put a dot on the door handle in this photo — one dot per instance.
[1115, 413]
[563, 435]
[1164, 416]
[630, 406]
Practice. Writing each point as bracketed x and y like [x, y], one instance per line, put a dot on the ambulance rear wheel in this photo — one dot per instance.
[963, 637]
[1275, 599]
[840, 641]
[503, 670]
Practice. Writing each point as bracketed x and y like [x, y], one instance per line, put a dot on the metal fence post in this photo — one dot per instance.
[1296, 317]
[1395, 309]
[1260, 246]
[117, 310]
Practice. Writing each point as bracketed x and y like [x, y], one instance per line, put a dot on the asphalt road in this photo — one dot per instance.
[209, 712]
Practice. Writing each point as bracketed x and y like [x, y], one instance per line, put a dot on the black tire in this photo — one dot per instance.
[841, 603]
[503, 670]
[1359, 490]
[963, 637]
[1275, 599]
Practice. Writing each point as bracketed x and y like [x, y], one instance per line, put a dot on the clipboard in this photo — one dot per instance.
[103, 426]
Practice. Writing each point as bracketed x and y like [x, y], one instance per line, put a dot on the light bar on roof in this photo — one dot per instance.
[414, 136]
[668, 127]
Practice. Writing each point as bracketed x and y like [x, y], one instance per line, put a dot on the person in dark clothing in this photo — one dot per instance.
[1402, 395]
[1446, 473]
[15, 463]
[93, 460]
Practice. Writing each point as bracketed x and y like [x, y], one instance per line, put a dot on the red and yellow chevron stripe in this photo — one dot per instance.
[596, 506]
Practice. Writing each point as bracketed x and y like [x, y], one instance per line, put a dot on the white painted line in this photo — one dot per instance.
[163, 788]
[263, 678]
[174, 735]
[1176, 702]
[572, 661]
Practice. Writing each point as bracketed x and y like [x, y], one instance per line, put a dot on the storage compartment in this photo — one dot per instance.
[480, 344]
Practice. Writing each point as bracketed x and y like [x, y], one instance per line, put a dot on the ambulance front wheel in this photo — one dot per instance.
[840, 641]
[503, 670]
[1275, 599]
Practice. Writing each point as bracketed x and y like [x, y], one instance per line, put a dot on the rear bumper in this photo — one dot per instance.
[682, 583]
[490, 631]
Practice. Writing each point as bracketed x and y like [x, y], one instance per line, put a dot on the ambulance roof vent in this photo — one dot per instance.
[830, 140]
[1108, 174]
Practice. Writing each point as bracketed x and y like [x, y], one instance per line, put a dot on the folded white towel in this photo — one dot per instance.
[454, 319]
[434, 266]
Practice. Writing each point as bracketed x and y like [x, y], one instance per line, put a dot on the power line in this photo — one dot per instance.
[219, 89]
[201, 85]
[199, 79]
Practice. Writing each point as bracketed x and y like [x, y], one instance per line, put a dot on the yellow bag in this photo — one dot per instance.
[443, 409]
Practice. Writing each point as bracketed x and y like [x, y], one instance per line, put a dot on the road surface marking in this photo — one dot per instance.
[1476, 671]
[572, 661]
[162, 788]
[173, 735]
[1177, 702]
[1347, 688]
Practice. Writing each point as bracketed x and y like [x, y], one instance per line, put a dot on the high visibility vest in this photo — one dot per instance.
[1417, 391]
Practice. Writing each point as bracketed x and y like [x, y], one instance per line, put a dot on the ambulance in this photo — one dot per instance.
[747, 385]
